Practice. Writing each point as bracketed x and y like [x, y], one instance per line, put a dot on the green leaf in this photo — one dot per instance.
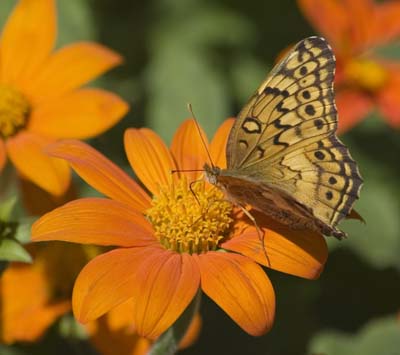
[380, 336]
[247, 75]
[206, 28]
[185, 67]
[11, 250]
[8, 350]
[23, 231]
[179, 76]
[391, 51]
[70, 328]
[168, 342]
[6, 7]
[6, 208]
[75, 22]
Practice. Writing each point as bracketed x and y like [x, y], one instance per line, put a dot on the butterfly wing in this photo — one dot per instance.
[284, 138]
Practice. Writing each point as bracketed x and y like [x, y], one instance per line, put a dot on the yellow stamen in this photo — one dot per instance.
[14, 111]
[191, 222]
[367, 74]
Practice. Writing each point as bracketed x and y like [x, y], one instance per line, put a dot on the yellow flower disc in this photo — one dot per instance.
[367, 74]
[190, 220]
[14, 111]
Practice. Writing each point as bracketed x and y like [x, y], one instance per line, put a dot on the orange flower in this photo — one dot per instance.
[40, 99]
[33, 296]
[355, 28]
[175, 242]
[50, 279]
[114, 333]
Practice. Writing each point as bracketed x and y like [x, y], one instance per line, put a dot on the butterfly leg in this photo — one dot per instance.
[192, 191]
[261, 234]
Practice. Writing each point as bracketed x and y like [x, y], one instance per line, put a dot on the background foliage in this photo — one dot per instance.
[214, 54]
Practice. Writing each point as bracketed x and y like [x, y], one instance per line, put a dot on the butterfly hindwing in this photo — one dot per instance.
[283, 144]
[327, 179]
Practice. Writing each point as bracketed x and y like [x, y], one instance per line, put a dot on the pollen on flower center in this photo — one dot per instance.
[367, 74]
[190, 221]
[14, 111]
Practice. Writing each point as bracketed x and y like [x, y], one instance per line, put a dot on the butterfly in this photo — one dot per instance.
[283, 156]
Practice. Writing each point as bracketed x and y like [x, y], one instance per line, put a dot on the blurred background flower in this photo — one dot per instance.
[40, 95]
[214, 55]
[365, 80]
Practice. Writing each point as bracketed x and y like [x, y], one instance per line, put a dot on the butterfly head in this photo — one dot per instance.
[212, 173]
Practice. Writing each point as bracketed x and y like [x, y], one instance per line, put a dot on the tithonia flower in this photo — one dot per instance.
[355, 29]
[33, 296]
[114, 332]
[40, 95]
[181, 236]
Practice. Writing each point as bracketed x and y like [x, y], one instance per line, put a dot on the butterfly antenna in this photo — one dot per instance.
[190, 109]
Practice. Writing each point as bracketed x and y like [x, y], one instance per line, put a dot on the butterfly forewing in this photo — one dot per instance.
[283, 143]
[293, 105]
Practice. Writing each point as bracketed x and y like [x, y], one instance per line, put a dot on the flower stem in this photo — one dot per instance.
[168, 342]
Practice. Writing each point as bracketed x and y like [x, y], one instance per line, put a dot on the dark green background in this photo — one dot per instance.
[214, 54]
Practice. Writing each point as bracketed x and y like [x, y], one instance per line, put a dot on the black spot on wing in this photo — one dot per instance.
[303, 70]
[332, 180]
[306, 94]
[319, 155]
[310, 110]
[319, 123]
[276, 92]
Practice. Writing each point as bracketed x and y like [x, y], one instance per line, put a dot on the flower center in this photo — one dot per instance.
[14, 111]
[367, 74]
[190, 221]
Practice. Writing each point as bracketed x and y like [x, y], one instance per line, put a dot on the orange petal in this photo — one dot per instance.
[149, 158]
[386, 27]
[80, 114]
[3, 155]
[361, 13]
[241, 288]
[27, 40]
[114, 333]
[353, 107]
[167, 282]
[96, 221]
[188, 149]
[218, 143]
[26, 151]
[26, 311]
[101, 173]
[389, 99]
[69, 68]
[192, 333]
[107, 281]
[122, 316]
[295, 252]
[329, 17]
